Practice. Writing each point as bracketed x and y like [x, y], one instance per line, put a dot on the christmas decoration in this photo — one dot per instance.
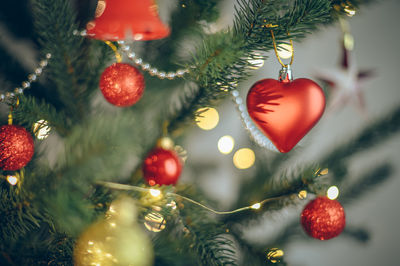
[275, 255]
[346, 82]
[323, 218]
[115, 240]
[126, 19]
[16, 147]
[285, 109]
[122, 84]
[41, 129]
[162, 167]
[90, 158]
[27, 83]
[154, 222]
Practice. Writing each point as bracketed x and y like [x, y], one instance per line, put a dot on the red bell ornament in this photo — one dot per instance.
[162, 167]
[285, 109]
[127, 19]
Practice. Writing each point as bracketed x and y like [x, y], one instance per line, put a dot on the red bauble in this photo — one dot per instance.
[122, 84]
[285, 110]
[323, 218]
[16, 147]
[124, 19]
[162, 167]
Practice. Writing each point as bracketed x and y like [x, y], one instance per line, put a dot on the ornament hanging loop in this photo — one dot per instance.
[276, 50]
[118, 56]
[10, 117]
[285, 74]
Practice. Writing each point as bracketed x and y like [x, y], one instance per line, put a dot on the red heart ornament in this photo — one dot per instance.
[285, 110]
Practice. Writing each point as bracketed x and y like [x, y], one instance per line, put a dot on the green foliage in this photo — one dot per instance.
[29, 111]
[57, 201]
[221, 61]
[76, 62]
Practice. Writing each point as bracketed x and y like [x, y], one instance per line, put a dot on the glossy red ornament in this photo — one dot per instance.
[323, 218]
[285, 110]
[122, 84]
[16, 147]
[162, 167]
[127, 19]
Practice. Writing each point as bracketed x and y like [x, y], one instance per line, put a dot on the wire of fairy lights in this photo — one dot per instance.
[157, 193]
[27, 84]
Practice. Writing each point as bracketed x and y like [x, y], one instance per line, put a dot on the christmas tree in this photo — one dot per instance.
[97, 155]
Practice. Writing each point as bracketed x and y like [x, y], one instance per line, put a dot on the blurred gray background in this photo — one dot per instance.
[375, 30]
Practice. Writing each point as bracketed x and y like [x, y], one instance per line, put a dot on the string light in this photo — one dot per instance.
[12, 179]
[302, 194]
[208, 118]
[274, 255]
[41, 129]
[226, 144]
[244, 158]
[332, 192]
[255, 206]
[321, 172]
[155, 193]
[154, 222]
[350, 11]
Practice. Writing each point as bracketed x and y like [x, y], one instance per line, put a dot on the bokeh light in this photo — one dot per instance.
[302, 194]
[275, 255]
[226, 144]
[154, 222]
[285, 50]
[244, 158]
[256, 61]
[12, 179]
[41, 129]
[155, 193]
[332, 192]
[208, 118]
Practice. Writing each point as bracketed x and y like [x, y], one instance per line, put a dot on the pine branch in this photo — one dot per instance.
[221, 62]
[71, 63]
[29, 111]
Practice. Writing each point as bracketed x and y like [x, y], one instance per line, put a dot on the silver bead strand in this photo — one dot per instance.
[147, 67]
[257, 136]
[27, 84]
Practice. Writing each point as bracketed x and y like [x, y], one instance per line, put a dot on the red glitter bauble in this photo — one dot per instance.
[323, 218]
[162, 167]
[122, 84]
[16, 147]
[285, 110]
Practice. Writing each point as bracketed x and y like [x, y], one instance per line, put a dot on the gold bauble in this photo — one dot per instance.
[115, 240]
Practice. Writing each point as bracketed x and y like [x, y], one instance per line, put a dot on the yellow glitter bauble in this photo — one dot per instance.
[115, 240]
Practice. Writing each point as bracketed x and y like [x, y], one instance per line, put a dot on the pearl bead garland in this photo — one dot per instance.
[147, 67]
[254, 132]
[27, 84]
